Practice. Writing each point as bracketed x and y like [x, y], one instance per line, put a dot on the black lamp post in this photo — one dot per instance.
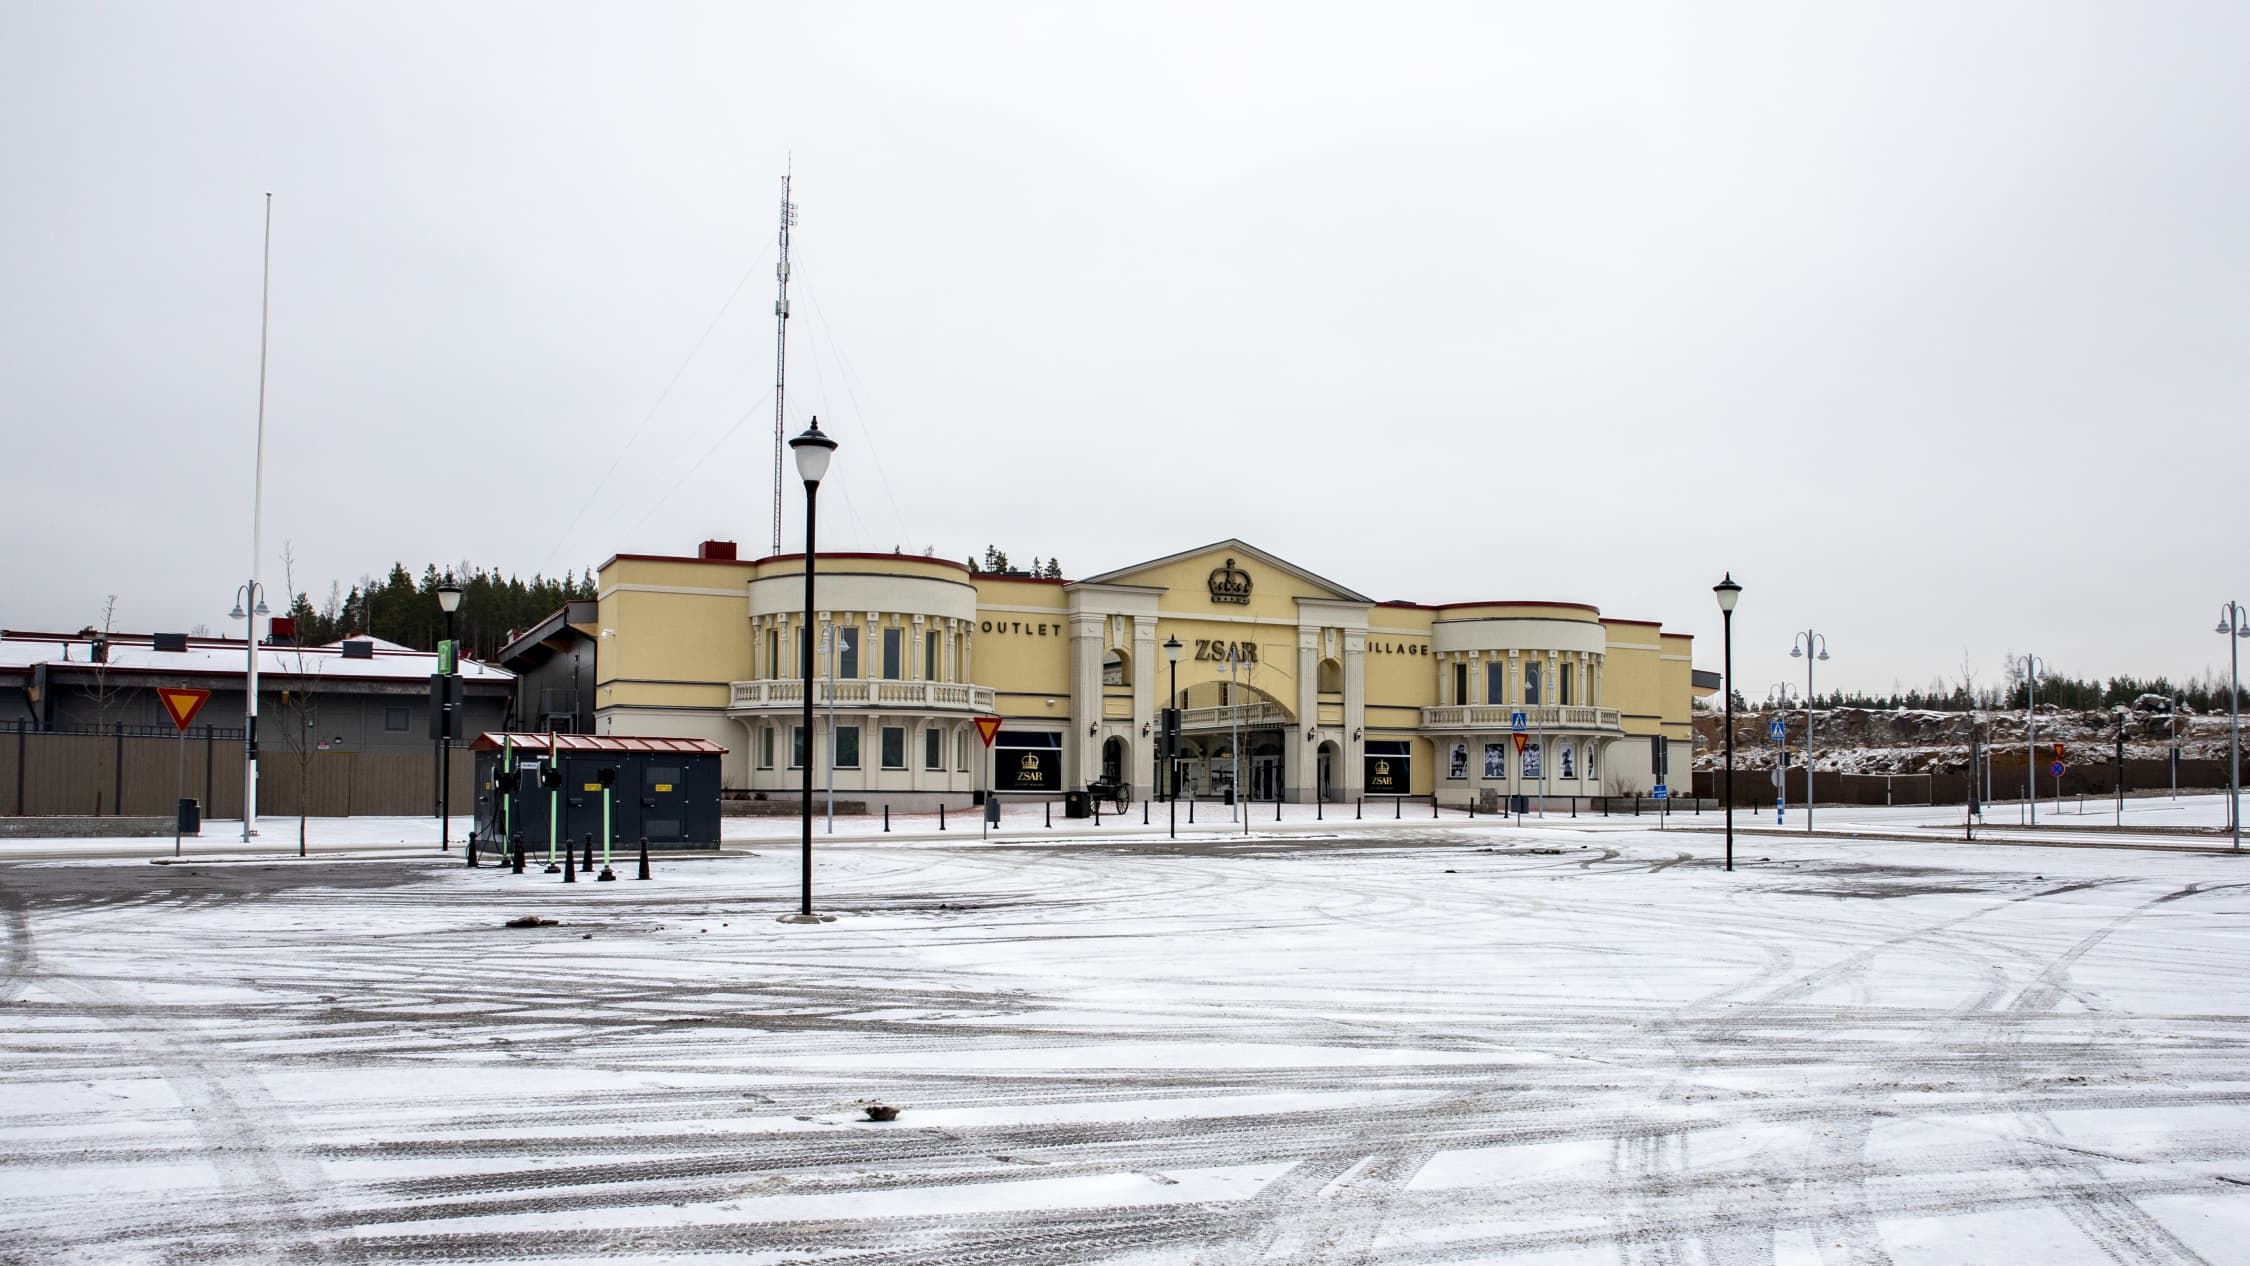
[1171, 737]
[448, 599]
[2234, 624]
[812, 451]
[1728, 593]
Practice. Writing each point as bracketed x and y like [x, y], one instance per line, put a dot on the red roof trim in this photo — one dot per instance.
[1574, 606]
[491, 741]
[781, 558]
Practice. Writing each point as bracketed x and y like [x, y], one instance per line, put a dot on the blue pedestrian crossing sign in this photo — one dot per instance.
[1662, 792]
[1518, 722]
[1774, 731]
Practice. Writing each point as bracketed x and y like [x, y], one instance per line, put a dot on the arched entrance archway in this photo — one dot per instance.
[1328, 768]
[1115, 761]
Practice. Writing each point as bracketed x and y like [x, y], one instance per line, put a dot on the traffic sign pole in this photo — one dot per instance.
[988, 728]
[181, 705]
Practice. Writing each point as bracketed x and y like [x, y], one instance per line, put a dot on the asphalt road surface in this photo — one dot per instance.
[1464, 1044]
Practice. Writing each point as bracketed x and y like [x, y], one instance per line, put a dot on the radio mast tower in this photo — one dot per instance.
[781, 354]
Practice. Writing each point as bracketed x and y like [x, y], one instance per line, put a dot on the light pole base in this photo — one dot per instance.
[806, 918]
[605, 876]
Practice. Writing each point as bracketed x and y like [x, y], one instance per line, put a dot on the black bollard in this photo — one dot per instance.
[1316, 809]
[1144, 812]
[1191, 812]
[1047, 812]
[644, 859]
[941, 817]
[1574, 806]
[886, 819]
[570, 874]
[1097, 810]
[588, 864]
[471, 850]
[1396, 811]
[1358, 803]
[517, 865]
[1276, 809]
[1472, 809]
[1433, 804]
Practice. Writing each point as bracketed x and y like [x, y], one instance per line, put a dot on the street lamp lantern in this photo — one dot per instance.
[449, 596]
[813, 449]
[1729, 593]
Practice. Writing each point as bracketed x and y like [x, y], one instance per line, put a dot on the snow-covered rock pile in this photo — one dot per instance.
[1913, 741]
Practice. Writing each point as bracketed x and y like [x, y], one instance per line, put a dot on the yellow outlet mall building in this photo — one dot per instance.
[1290, 684]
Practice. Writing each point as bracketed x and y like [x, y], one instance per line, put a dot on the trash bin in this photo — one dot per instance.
[977, 796]
[1520, 805]
[1230, 796]
[1077, 804]
[191, 816]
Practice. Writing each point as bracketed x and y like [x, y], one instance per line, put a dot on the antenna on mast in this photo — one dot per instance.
[781, 352]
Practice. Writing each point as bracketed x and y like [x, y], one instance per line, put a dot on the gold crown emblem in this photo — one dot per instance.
[1030, 761]
[1230, 584]
[1382, 767]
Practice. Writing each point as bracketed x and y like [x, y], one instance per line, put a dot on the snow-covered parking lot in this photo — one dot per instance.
[1412, 1042]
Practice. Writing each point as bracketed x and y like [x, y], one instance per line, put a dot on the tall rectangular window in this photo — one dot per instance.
[773, 653]
[894, 747]
[930, 663]
[1460, 683]
[894, 654]
[765, 747]
[796, 747]
[1562, 685]
[961, 751]
[1531, 684]
[933, 748]
[847, 747]
[804, 651]
[1496, 681]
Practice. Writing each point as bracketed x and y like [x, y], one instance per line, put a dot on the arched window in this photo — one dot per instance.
[1331, 677]
[1117, 668]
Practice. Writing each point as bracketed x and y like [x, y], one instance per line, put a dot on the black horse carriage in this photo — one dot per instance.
[1116, 794]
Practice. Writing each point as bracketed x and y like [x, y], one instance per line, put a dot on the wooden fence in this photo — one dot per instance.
[122, 774]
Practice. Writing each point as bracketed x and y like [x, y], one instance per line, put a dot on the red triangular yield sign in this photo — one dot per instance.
[183, 704]
[986, 728]
[1522, 739]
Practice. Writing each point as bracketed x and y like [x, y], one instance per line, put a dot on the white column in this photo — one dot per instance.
[1297, 768]
[1147, 664]
[1348, 779]
[1085, 698]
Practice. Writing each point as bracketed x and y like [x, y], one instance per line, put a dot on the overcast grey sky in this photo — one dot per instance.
[1928, 321]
